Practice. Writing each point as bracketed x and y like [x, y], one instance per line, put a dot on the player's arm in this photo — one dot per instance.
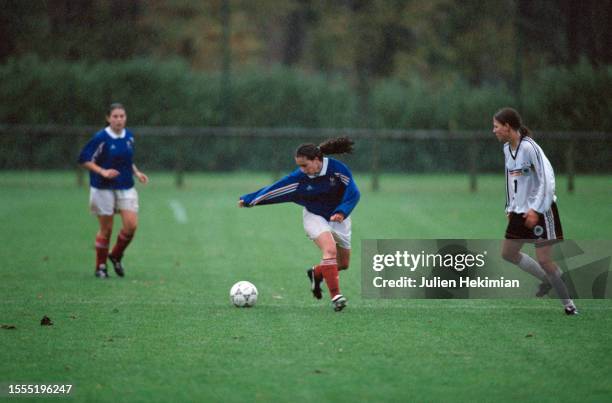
[349, 199]
[142, 178]
[281, 191]
[88, 155]
[544, 194]
[97, 169]
[507, 207]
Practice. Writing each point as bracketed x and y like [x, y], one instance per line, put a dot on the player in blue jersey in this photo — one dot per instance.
[530, 205]
[326, 189]
[108, 157]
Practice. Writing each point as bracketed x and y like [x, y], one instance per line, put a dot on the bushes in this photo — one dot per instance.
[170, 93]
[418, 105]
[78, 93]
[577, 99]
[167, 93]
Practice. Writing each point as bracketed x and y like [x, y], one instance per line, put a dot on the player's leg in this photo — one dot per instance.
[548, 231]
[129, 221]
[127, 204]
[328, 265]
[343, 257]
[318, 230]
[511, 251]
[314, 226]
[328, 268]
[342, 236]
[102, 204]
[102, 243]
[516, 234]
[544, 255]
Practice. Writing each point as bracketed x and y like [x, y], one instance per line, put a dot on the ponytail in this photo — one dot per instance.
[339, 145]
[524, 131]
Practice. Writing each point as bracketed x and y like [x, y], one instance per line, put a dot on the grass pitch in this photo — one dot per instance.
[166, 332]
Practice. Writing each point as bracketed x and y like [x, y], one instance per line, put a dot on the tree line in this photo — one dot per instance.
[482, 41]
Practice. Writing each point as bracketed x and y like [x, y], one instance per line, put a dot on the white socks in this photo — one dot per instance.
[526, 263]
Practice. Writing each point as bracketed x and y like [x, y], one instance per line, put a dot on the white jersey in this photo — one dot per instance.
[530, 179]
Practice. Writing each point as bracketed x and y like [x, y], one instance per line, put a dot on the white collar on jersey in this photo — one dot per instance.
[323, 170]
[113, 134]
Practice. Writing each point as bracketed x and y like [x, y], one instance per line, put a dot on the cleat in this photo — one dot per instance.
[571, 310]
[117, 265]
[101, 272]
[315, 285]
[543, 289]
[339, 302]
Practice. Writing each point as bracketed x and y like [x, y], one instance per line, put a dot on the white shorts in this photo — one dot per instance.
[109, 201]
[315, 225]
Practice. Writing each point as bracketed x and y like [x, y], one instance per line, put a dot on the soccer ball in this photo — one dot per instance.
[243, 294]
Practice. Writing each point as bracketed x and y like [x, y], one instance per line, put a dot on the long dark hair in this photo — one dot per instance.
[512, 117]
[339, 145]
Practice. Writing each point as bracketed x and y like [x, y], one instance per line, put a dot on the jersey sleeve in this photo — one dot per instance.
[351, 193]
[544, 194]
[281, 191]
[91, 149]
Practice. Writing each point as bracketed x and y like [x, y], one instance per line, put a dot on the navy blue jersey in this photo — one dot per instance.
[110, 151]
[332, 191]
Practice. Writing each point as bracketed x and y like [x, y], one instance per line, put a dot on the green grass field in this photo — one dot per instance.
[166, 332]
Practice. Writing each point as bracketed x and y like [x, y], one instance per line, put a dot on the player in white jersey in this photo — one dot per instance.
[530, 205]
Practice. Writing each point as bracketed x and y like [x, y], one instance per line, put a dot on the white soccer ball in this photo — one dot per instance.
[243, 294]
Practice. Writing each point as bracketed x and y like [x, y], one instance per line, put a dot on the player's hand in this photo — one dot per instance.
[142, 178]
[109, 173]
[240, 203]
[531, 218]
[338, 217]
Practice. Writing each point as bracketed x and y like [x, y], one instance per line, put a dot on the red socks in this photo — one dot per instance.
[123, 240]
[101, 250]
[328, 269]
[102, 244]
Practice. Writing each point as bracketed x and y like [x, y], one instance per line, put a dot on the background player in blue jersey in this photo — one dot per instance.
[530, 205]
[326, 189]
[108, 157]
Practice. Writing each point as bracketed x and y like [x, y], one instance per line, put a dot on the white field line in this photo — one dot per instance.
[180, 214]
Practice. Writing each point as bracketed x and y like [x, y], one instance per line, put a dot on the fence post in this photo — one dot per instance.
[179, 165]
[375, 163]
[226, 64]
[569, 163]
[473, 155]
[80, 171]
[80, 175]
